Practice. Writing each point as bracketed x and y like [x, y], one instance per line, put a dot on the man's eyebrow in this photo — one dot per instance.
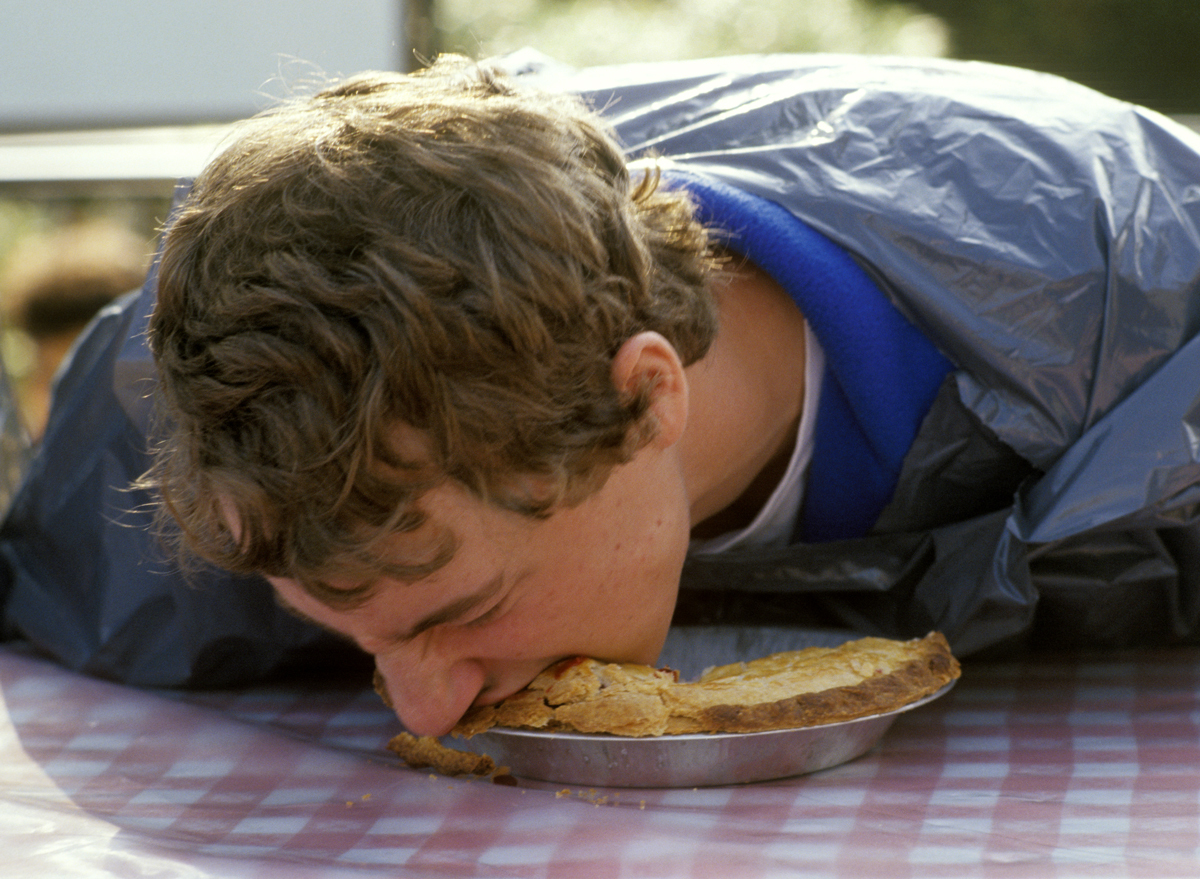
[454, 610]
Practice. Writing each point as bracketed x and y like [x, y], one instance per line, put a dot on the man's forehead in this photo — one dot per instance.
[401, 557]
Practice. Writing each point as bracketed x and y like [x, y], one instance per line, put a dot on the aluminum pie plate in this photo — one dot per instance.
[700, 760]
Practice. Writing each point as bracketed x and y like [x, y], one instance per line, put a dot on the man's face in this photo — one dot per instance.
[598, 579]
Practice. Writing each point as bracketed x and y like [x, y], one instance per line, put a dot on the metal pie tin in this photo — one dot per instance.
[700, 760]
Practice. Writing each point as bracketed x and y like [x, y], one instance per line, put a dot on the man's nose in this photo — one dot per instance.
[429, 694]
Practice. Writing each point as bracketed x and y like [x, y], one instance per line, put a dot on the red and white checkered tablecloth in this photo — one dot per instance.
[1040, 768]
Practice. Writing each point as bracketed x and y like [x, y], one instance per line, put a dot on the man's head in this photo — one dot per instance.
[444, 251]
[407, 283]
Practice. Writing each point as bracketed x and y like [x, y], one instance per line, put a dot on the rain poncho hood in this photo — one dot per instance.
[1043, 240]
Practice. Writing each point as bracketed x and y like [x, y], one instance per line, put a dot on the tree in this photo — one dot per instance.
[1147, 51]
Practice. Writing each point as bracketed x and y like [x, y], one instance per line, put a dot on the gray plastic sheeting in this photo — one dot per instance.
[1045, 238]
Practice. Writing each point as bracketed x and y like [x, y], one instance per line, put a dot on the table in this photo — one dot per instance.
[1065, 766]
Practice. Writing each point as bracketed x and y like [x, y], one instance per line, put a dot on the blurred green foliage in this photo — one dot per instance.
[585, 32]
[1146, 51]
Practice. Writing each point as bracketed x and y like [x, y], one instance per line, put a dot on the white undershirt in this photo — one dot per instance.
[776, 521]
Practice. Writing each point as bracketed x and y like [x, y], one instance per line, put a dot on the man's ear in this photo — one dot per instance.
[648, 364]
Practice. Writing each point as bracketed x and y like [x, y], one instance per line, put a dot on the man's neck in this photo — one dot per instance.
[746, 396]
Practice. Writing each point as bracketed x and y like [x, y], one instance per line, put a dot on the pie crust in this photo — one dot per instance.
[809, 687]
[426, 752]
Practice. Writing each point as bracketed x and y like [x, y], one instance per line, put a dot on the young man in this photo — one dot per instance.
[458, 385]
[852, 343]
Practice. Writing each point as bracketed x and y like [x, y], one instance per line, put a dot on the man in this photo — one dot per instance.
[439, 369]
[890, 346]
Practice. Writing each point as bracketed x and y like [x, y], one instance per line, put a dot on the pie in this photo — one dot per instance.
[798, 688]
[809, 687]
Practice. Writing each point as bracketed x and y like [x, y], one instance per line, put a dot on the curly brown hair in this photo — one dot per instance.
[450, 251]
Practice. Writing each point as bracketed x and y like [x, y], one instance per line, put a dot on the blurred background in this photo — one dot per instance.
[104, 105]
[1147, 51]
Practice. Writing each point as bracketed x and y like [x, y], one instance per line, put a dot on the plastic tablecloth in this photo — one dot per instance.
[1043, 767]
